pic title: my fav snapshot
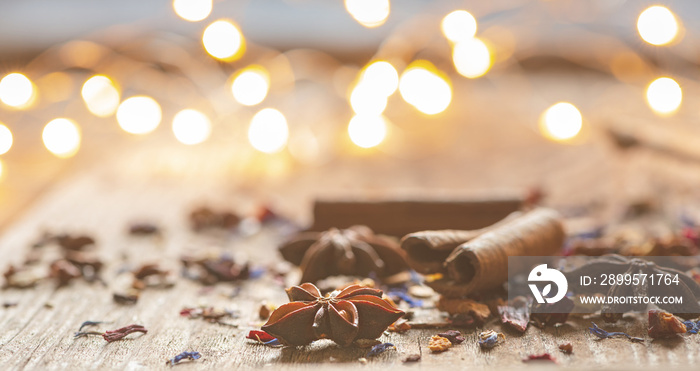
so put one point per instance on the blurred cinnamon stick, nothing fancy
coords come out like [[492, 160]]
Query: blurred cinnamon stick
[[401, 217], [482, 263], [426, 251]]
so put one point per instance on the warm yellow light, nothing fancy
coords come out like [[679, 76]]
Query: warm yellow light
[[1, 170], [664, 95], [16, 90], [5, 139], [459, 25], [268, 131], [192, 10], [381, 76], [369, 13], [100, 95], [472, 58], [366, 100], [251, 85], [223, 40], [367, 131], [191, 127], [139, 115], [424, 89], [657, 25], [562, 121], [61, 137]]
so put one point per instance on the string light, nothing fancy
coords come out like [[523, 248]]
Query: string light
[[5, 139], [381, 76], [369, 13], [223, 40], [191, 127], [664, 95], [192, 10], [268, 131], [16, 90], [472, 58], [100, 95], [459, 25], [62, 137], [251, 85], [561, 122], [139, 115], [367, 131], [657, 25], [424, 89]]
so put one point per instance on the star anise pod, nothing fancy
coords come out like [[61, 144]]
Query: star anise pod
[[356, 312], [355, 251]]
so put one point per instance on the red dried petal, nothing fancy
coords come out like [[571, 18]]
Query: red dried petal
[[260, 336]]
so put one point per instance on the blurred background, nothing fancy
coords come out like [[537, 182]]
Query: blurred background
[[286, 101]]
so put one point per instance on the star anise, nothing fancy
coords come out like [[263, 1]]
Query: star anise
[[355, 251], [354, 313], [685, 286]]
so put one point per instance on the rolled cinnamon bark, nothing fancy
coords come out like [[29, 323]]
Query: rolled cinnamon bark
[[401, 217], [482, 263], [427, 250]]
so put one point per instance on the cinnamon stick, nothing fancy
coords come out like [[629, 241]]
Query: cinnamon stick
[[427, 250], [482, 263], [401, 217]]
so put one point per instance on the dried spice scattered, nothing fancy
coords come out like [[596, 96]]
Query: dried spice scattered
[[90, 323], [566, 348], [399, 295], [114, 335], [692, 326], [344, 316], [77, 242], [264, 311], [203, 218], [63, 271], [602, 334], [664, 325], [411, 358], [516, 314], [489, 339], [400, 326], [355, 251], [478, 311], [143, 229], [183, 356], [546, 357], [125, 299], [20, 278], [549, 314], [439, 344], [209, 314], [214, 269], [379, 349], [454, 336], [687, 287]]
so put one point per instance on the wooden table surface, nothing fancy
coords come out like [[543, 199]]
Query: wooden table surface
[[489, 143]]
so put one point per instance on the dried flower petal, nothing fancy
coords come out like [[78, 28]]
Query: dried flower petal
[[540, 357], [663, 325], [515, 315], [260, 336], [412, 358], [454, 336], [478, 311], [379, 349], [439, 344], [489, 339], [182, 356], [602, 334], [566, 348]]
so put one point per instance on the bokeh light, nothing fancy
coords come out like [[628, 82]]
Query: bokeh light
[[459, 25], [268, 131], [2, 170], [366, 100], [16, 90], [223, 40], [369, 13], [62, 137], [192, 10], [5, 139], [191, 127], [100, 95], [251, 85], [381, 76], [424, 89], [139, 115], [367, 131], [664, 95], [472, 58], [657, 25], [561, 122]]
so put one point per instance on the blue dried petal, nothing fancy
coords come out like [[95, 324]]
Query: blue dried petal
[[692, 326], [257, 272], [602, 334], [379, 349], [184, 355], [273, 343], [489, 341], [402, 295]]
